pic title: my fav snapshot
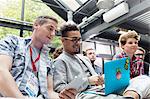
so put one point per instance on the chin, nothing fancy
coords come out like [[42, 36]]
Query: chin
[[47, 41], [76, 52]]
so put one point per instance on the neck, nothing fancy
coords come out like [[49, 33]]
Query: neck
[[129, 54], [35, 43]]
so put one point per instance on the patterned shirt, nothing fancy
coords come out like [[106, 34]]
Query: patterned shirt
[[18, 49], [136, 65]]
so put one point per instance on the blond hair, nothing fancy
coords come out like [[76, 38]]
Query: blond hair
[[43, 19], [130, 34]]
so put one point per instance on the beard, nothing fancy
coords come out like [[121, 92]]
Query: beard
[[92, 61], [77, 52], [76, 49]]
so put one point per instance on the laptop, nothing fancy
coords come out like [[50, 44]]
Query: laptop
[[117, 76]]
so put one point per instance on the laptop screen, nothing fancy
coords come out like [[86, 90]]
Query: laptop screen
[[117, 75]]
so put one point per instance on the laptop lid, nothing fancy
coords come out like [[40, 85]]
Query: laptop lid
[[117, 75]]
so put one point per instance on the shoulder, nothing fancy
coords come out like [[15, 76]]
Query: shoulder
[[59, 60], [9, 43], [118, 56], [63, 60], [81, 56], [12, 39], [84, 58], [64, 56]]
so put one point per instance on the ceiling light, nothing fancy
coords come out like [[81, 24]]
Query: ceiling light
[[105, 4], [116, 12]]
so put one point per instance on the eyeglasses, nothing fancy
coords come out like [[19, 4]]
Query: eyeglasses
[[139, 54], [73, 39]]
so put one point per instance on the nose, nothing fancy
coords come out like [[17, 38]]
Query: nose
[[135, 44], [79, 41], [52, 33]]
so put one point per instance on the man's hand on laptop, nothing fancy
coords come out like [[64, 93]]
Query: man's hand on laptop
[[96, 80], [68, 93], [101, 80]]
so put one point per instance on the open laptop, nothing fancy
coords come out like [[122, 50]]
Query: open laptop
[[117, 76]]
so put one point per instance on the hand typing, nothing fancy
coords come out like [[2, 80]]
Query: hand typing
[[96, 80], [69, 93]]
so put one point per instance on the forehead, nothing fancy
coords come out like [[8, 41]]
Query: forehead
[[51, 23], [131, 40], [90, 51], [73, 34]]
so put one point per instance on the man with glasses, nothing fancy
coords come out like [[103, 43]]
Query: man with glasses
[[73, 70], [140, 55]]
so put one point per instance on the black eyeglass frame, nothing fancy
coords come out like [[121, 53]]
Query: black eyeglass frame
[[73, 39], [139, 54]]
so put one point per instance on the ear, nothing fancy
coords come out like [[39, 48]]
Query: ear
[[35, 26], [122, 46], [62, 39]]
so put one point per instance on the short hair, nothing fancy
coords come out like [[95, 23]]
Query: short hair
[[88, 50], [67, 27], [130, 34], [43, 19]]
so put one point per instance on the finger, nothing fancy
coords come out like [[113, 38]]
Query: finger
[[69, 93], [64, 96], [100, 82], [60, 96], [72, 91]]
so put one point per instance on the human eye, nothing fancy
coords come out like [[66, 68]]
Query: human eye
[[50, 28], [74, 39], [90, 53], [136, 42], [129, 42], [79, 39]]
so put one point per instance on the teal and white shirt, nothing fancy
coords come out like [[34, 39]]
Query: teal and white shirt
[[18, 49]]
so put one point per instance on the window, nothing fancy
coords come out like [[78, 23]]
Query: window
[[73, 4], [103, 49]]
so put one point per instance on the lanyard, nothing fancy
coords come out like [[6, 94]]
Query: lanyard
[[34, 61]]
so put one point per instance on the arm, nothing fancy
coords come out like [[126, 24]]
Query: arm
[[65, 77], [96, 80], [60, 77], [8, 87], [51, 92], [64, 94]]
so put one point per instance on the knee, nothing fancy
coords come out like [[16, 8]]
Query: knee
[[132, 94]]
